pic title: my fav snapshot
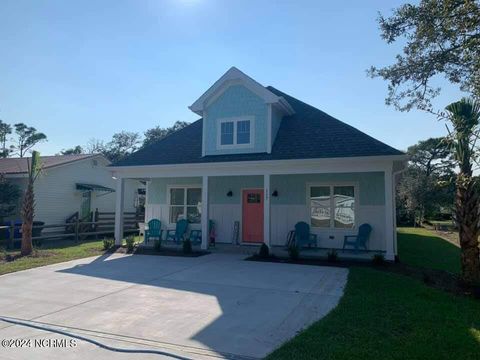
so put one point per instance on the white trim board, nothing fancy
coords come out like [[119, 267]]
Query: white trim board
[[273, 167]]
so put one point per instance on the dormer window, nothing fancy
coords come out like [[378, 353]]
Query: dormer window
[[235, 132]]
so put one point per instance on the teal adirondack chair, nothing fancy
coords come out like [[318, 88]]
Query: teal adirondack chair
[[154, 230], [359, 240], [196, 236], [178, 234], [303, 237]]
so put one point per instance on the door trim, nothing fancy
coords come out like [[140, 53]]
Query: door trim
[[241, 214]]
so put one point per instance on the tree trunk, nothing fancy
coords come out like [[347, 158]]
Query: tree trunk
[[467, 219], [27, 220]]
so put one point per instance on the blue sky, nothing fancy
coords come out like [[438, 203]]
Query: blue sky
[[78, 70]]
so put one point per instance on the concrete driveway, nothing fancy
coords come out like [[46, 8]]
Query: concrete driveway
[[212, 306]]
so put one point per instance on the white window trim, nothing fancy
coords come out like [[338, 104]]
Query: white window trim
[[235, 120], [169, 205], [332, 204]]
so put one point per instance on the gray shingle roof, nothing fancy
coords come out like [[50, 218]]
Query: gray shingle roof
[[309, 133], [20, 165]]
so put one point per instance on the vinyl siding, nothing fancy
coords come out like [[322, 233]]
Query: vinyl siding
[[56, 197]]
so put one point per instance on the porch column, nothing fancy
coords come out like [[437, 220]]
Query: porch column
[[266, 209], [119, 200], [205, 233], [389, 213]]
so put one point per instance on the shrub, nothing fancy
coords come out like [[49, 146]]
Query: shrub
[[293, 252], [332, 256], [187, 246], [264, 252], [130, 243], [107, 243], [157, 245], [378, 259]]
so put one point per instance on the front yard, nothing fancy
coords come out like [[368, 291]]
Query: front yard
[[49, 253], [389, 316], [382, 315]]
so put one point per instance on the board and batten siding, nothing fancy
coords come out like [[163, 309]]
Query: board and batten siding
[[288, 208], [156, 203], [56, 196]]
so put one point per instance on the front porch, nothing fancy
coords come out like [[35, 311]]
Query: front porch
[[276, 250], [334, 199]]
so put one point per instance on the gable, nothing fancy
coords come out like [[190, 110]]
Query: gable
[[236, 103]]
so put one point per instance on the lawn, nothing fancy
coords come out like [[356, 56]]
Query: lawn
[[422, 248], [51, 253], [388, 316]]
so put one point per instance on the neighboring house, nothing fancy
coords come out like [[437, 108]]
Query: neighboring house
[[266, 160], [67, 184]]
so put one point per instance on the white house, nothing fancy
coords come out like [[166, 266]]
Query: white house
[[70, 184]]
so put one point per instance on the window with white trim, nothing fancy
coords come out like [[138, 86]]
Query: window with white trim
[[243, 132], [185, 203], [235, 132], [226, 133], [332, 206]]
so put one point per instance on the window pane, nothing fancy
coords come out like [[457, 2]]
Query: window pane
[[226, 133], [243, 132], [344, 201], [177, 196], [320, 206], [194, 196], [194, 214], [176, 213]]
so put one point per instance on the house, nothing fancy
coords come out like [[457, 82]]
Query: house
[[69, 184], [266, 160]]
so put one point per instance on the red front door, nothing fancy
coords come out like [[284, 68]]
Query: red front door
[[252, 224]]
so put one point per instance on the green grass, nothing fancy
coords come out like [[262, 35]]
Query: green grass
[[388, 316], [420, 247], [52, 253]]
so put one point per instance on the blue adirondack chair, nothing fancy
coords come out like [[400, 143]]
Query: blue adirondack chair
[[303, 237], [359, 240], [178, 234], [196, 236], [154, 230]]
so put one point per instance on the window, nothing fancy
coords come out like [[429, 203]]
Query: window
[[332, 206], [226, 133], [185, 203], [235, 132], [243, 132]]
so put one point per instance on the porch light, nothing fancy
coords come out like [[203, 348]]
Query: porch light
[[230, 193], [275, 193]]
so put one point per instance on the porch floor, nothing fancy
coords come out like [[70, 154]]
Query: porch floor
[[277, 250]]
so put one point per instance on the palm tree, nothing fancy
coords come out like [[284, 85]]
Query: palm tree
[[28, 207], [465, 116]]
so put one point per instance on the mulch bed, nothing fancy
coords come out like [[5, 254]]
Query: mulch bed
[[162, 252], [438, 279]]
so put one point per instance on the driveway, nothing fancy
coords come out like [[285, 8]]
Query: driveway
[[207, 307]]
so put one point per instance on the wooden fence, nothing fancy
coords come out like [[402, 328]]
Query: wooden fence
[[76, 229]]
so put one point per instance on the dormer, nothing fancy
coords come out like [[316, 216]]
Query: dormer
[[239, 115]]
